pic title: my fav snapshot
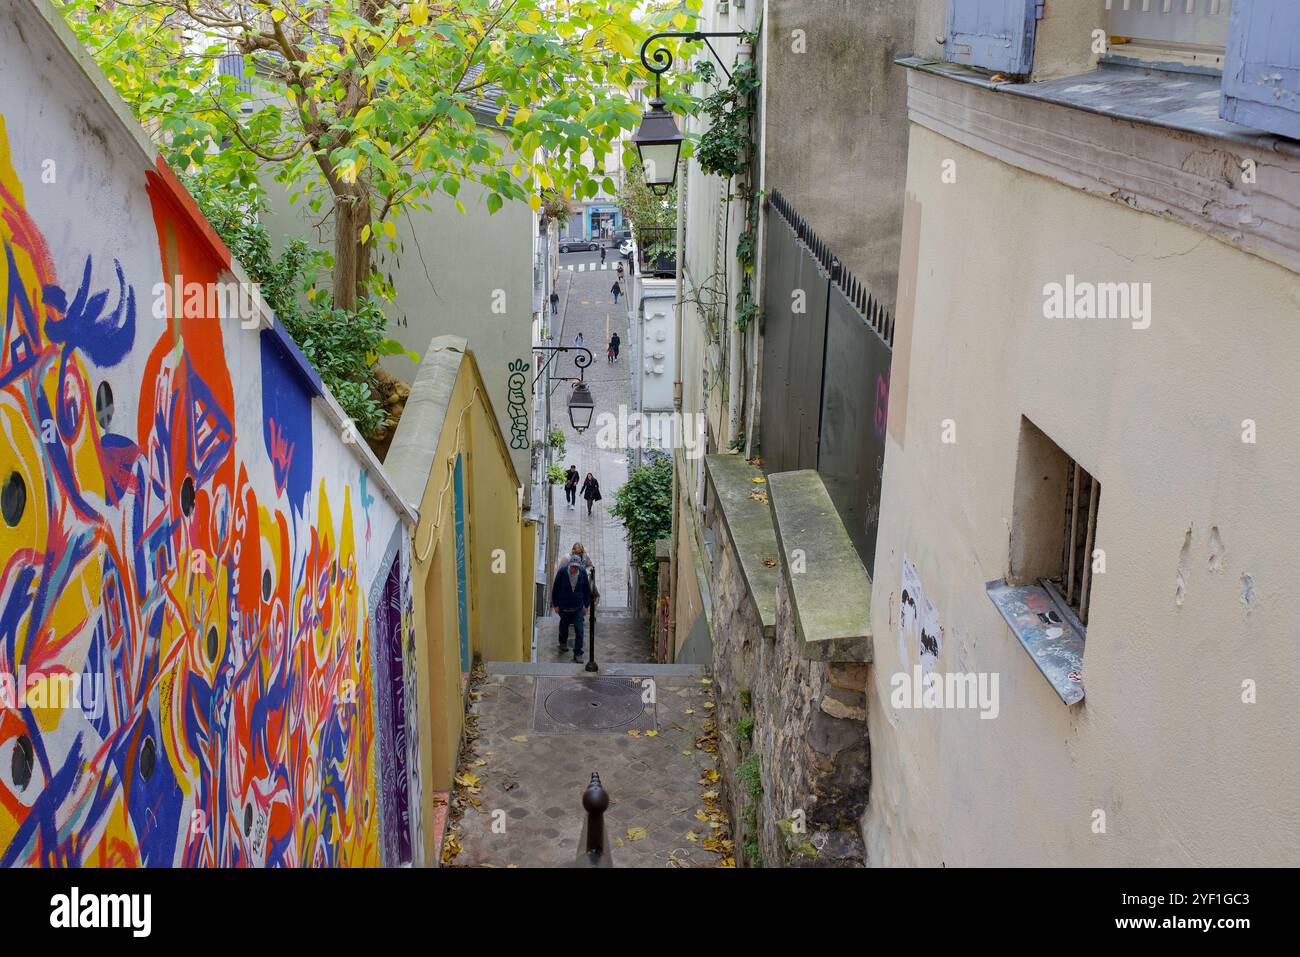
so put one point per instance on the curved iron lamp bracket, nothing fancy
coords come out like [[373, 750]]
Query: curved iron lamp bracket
[[581, 360], [663, 57]]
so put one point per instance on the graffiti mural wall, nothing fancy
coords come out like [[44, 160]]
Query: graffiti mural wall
[[187, 547]]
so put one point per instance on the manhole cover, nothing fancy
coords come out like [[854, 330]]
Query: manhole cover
[[575, 705]]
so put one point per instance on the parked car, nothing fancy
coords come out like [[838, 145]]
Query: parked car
[[578, 246], [625, 248]]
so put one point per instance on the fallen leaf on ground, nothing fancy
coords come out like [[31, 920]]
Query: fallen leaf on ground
[[692, 836], [635, 833], [520, 737], [652, 734], [634, 733]]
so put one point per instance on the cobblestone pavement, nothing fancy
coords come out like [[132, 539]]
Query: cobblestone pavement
[[588, 308], [519, 790]]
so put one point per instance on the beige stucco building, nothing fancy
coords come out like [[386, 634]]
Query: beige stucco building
[[1021, 197]]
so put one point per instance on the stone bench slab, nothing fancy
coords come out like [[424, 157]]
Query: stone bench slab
[[829, 588]]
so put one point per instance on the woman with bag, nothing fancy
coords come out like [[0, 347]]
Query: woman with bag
[[591, 491]]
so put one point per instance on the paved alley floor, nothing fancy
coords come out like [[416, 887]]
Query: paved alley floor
[[535, 731], [619, 638], [519, 789], [587, 307]]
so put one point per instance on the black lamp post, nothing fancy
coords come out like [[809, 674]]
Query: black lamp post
[[659, 141], [581, 407], [581, 403]]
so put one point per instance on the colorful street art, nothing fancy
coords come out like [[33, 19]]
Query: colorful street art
[[166, 538]]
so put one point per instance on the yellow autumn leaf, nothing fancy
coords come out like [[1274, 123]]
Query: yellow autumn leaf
[[635, 833], [652, 734], [277, 15], [420, 13], [758, 481], [535, 202], [634, 734], [390, 230]]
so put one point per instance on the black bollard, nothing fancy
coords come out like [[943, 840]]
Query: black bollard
[[591, 850], [591, 631]]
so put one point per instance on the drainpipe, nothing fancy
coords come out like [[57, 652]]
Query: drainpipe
[[678, 308]]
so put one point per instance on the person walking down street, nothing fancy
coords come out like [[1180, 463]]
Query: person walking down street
[[614, 343], [591, 491], [555, 303], [616, 289], [609, 353], [620, 271], [580, 553], [571, 479], [602, 255], [570, 597], [577, 340]]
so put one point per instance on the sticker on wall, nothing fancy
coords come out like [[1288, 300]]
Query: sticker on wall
[[918, 622], [517, 402]]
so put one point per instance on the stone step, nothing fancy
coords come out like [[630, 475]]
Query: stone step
[[612, 669]]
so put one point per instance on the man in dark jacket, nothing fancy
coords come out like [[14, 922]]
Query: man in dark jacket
[[570, 597]]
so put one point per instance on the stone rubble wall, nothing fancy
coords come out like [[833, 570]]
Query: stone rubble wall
[[810, 726]]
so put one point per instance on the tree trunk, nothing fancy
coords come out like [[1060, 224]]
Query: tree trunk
[[351, 256]]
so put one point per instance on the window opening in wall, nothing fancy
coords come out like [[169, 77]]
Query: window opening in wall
[[1082, 495], [1188, 32]]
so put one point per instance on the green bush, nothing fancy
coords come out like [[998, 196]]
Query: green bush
[[555, 474], [645, 504], [340, 344]]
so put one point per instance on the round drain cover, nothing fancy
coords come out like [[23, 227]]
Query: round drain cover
[[596, 704]]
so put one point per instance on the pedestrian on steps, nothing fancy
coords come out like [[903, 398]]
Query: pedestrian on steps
[[577, 551], [591, 491], [571, 479], [570, 597]]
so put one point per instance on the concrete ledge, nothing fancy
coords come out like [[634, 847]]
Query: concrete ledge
[[415, 443], [749, 523], [829, 588]]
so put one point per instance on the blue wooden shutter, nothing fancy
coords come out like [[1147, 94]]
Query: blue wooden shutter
[[993, 34], [1261, 73]]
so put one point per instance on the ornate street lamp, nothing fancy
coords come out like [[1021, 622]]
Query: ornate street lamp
[[581, 407], [658, 140], [658, 143]]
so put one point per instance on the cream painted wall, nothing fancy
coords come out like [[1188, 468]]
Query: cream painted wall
[[1186, 773], [467, 274]]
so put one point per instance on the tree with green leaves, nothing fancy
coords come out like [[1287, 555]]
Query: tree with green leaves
[[367, 109]]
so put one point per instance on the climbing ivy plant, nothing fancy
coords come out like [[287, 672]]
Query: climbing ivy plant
[[726, 149]]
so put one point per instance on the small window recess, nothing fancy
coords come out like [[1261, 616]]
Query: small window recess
[[1177, 35], [1046, 595]]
